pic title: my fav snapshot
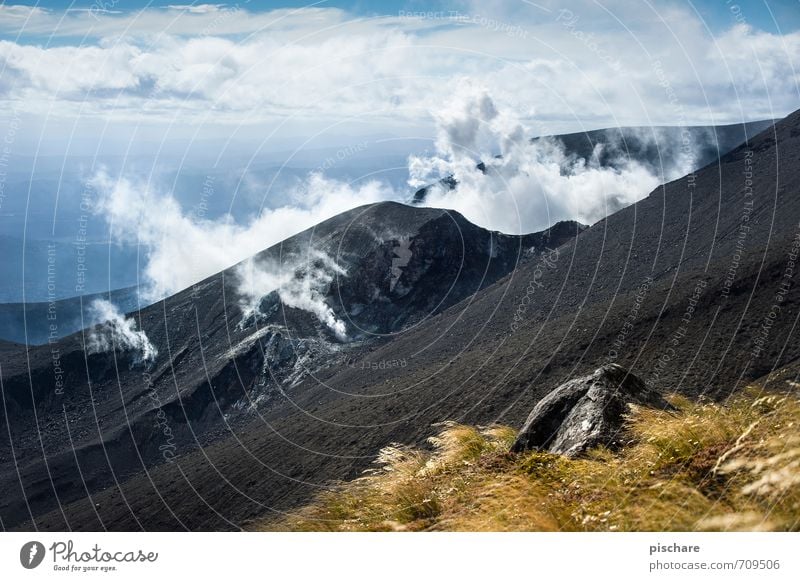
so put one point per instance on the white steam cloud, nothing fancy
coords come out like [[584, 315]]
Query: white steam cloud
[[114, 331], [521, 187], [299, 284], [182, 249], [529, 185]]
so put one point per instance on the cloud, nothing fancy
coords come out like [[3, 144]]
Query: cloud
[[227, 64], [11, 14], [183, 249], [526, 188], [529, 186], [197, 8], [114, 331], [300, 283], [112, 18], [70, 72]]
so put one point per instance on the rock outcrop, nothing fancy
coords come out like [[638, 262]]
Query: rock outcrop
[[585, 412]]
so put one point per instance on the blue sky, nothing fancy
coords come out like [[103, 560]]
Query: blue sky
[[781, 15], [768, 15]]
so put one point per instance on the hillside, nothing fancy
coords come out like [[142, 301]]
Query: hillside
[[223, 358], [677, 288], [661, 150], [704, 467]]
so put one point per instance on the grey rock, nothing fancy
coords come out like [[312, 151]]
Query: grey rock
[[585, 412]]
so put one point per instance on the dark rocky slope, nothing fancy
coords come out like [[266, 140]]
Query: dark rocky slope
[[660, 148], [681, 288], [217, 367]]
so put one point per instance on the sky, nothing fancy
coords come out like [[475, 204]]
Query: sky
[[294, 111], [775, 16], [292, 69]]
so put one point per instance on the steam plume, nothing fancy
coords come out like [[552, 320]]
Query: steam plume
[[523, 186], [117, 332], [299, 284]]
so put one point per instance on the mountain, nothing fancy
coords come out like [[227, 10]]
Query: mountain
[[692, 289], [662, 150], [345, 286], [391, 265]]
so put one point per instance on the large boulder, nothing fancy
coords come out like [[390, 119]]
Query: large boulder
[[585, 412]]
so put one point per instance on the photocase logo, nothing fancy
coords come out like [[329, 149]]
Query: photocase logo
[[31, 554]]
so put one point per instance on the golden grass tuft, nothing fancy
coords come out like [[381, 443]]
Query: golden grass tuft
[[704, 467]]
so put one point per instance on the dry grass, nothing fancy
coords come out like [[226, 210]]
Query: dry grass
[[706, 467]]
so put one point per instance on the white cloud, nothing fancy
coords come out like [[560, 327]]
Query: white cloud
[[527, 189], [182, 250], [114, 331], [18, 14], [301, 283], [197, 8], [532, 185], [226, 64], [107, 19]]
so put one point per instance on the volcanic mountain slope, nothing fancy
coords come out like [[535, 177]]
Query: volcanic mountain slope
[[225, 350], [391, 266], [661, 150], [692, 289]]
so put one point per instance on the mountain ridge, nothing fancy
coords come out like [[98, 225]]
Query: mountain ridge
[[660, 149], [217, 366]]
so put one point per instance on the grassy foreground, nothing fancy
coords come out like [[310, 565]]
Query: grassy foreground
[[706, 467]]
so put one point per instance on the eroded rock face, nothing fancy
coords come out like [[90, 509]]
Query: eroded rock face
[[585, 412]]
